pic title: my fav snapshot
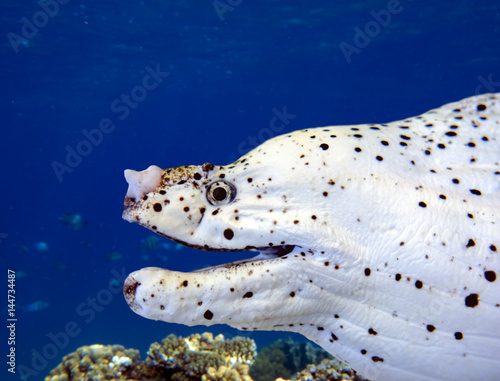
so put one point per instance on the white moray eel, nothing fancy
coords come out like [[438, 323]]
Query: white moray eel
[[379, 242]]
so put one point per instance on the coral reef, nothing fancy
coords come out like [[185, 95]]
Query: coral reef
[[196, 358], [203, 357], [284, 358], [98, 362], [327, 370]]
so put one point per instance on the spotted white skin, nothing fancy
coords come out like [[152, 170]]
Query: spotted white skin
[[395, 231]]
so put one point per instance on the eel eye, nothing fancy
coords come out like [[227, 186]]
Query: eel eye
[[221, 192]]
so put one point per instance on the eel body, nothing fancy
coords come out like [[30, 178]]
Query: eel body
[[379, 242]]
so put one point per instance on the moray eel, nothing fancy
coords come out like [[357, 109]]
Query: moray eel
[[379, 242]]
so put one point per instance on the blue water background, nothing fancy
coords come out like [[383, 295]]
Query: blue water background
[[227, 73]]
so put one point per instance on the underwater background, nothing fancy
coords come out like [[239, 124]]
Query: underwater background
[[77, 110]]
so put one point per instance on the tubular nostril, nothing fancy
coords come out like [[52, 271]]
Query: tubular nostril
[[129, 287], [142, 182]]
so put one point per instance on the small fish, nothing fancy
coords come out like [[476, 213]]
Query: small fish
[[112, 256], [74, 221], [41, 246], [154, 243], [85, 244], [115, 283], [58, 266], [21, 274], [35, 306], [20, 248]]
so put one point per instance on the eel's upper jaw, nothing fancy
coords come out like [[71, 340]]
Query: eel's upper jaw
[[141, 183]]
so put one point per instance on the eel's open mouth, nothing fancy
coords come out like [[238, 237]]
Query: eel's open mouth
[[276, 251], [265, 253]]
